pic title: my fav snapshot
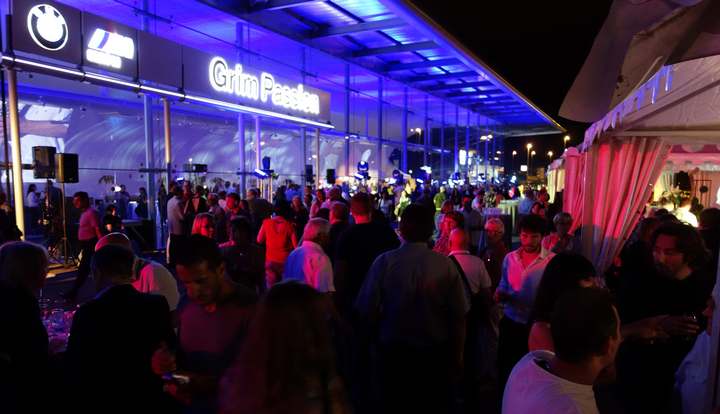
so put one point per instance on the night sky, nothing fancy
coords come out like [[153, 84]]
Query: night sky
[[538, 46]]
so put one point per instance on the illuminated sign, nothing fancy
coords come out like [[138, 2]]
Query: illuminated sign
[[234, 80], [109, 49], [47, 27]]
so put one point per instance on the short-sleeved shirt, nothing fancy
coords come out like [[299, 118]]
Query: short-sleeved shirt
[[532, 388], [415, 294], [310, 265], [521, 283], [474, 269], [152, 277], [89, 221], [277, 234]]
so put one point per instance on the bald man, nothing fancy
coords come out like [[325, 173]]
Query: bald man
[[472, 266], [148, 276], [480, 357]]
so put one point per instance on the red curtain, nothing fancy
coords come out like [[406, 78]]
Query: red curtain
[[620, 175], [574, 185]]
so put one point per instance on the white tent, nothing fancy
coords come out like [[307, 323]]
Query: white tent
[[665, 117]]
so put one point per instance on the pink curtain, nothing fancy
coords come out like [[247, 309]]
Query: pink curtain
[[619, 176], [574, 185]]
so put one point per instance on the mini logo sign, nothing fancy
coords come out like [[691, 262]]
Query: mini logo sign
[[47, 27], [109, 49]]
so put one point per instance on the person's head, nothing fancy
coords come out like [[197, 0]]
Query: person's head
[[317, 230], [112, 265], [176, 189], [212, 199], [678, 249], [187, 188], [241, 232], [544, 197], [142, 191], [585, 328], [416, 224], [23, 264], [529, 193], [563, 273], [111, 210], [685, 202], [204, 225], [338, 213], [297, 203], [288, 345], [538, 209], [459, 240], [320, 194], [447, 207], [646, 228], [323, 213], [114, 239], [467, 203], [452, 221], [199, 190], [494, 230], [32, 188], [335, 193], [563, 222], [253, 193], [81, 200], [710, 219], [307, 190], [361, 207], [232, 201], [283, 210], [200, 268], [531, 232]]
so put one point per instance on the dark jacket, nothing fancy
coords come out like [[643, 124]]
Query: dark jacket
[[109, 355]]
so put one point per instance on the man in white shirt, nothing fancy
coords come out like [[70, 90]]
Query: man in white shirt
[[472, 266], [148, 276], [309, 263], [522, 271], [586, 331]]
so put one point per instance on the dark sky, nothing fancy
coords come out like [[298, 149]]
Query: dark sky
[[538, 46]]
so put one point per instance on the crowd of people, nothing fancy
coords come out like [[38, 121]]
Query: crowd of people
[[321, 302]]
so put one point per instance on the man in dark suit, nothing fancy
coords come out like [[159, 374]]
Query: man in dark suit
[[113, 338]]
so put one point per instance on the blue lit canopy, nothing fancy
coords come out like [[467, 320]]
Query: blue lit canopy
[[391, 38]]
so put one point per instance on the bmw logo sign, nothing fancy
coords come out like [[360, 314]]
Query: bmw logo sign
[[47, 27]]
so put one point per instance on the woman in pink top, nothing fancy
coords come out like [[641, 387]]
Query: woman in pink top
[[278, 236]]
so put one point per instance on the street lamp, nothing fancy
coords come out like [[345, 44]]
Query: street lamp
[[549, 154], [512, 166], [566, 139], [529, 147], [532, 154]]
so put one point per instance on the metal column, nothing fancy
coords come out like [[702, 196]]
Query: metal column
[[149, 134], [456, 148], [487, 160], [242, 145], [168, 147], [467, 144], [317, 157], [379, 158], [404, 162], [16, 156], [426, 134], [443, 173], [347, 119], [258, 144], [303, 146]]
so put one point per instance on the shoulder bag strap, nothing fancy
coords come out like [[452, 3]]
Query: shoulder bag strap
[[463, 276]]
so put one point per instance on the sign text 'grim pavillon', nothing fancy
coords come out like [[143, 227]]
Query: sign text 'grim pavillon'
[[233, 80]]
